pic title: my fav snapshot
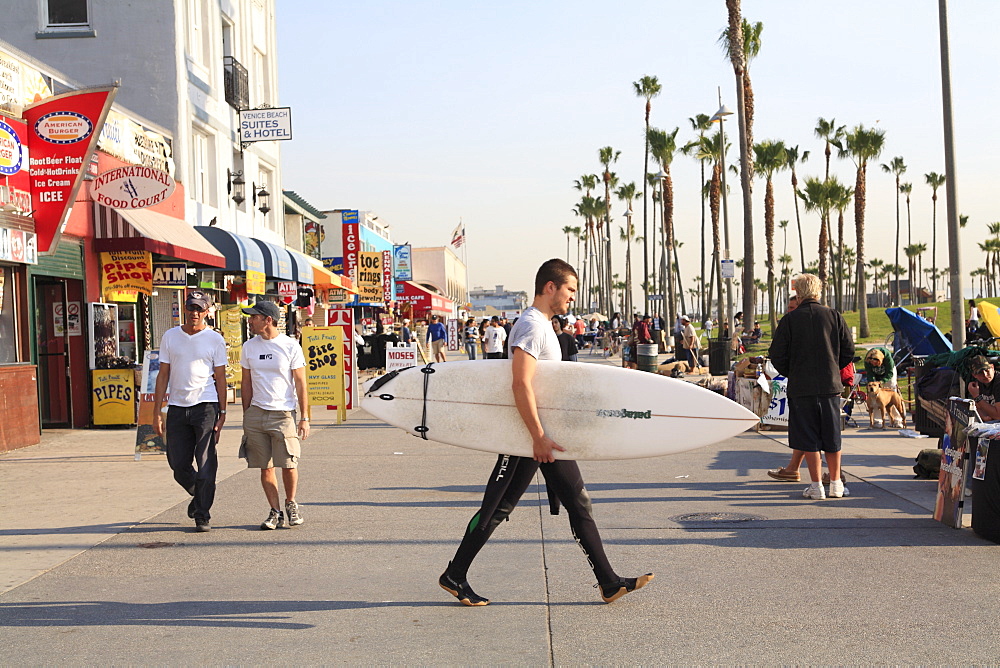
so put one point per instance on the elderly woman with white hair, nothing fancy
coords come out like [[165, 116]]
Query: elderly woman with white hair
[[811, 345]]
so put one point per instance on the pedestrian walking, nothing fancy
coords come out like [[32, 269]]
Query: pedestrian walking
[[193, 372], [494, 337], [437, 336], [274, 383], [532, 339], [811, 345], [691, 342], [471, 338]]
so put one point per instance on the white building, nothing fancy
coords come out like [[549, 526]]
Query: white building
[[187, 66], [441, 269]]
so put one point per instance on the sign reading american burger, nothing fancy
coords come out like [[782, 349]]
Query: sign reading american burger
[[132, 187]]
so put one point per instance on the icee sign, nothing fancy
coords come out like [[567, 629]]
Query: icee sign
[[271, 124]]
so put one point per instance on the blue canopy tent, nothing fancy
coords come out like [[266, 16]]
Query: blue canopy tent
[[915, 335]]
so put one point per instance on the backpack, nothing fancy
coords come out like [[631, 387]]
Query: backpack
[[928, 466]]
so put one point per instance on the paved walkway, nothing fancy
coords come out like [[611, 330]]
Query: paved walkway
[[100, 563]]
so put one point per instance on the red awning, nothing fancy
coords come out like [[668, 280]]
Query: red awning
[[423, 301], [142, 229]]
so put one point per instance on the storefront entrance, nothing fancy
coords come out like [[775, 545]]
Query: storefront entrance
[[59, 344]]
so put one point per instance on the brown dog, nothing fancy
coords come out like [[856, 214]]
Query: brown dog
[[884, 401]]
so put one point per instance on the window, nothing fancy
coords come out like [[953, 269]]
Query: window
[[67, 13], [202, 162], [198, 44], [8, 323], [262, 89]]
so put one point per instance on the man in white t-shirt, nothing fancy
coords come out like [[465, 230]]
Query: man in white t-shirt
[[274, 383], [532, 339], [193, 370], [494, 337]]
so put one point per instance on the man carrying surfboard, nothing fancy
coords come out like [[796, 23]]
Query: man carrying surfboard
[[531, 339]]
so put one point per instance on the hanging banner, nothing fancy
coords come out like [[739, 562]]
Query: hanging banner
[[351, 243], [288, 291], [402, 262], [15, 193], [19, 83], [323, 350], [126, 274], [255, 282], [452, 334], [369, 269], [62, 134], [386, 277], [231, 323]]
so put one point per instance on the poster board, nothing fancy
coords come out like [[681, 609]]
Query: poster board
[[401, 356], [323, 351], [113, 396], [146, 439], [950, 502], [344, 318], [453, 329]]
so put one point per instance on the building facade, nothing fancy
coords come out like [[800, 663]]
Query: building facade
[[442, 270], [498, 298]]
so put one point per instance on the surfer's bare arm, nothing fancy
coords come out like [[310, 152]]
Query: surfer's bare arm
[[160, 391], [524, 366]]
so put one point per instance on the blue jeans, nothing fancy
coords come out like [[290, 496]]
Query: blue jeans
[[470, 348], [191, 441]]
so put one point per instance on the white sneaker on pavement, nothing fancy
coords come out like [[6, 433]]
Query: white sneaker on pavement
[[838, 490], [814, 491]]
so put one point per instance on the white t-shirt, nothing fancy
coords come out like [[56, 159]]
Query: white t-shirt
[[271, 362], [690, 337], [192, 359], [533, 333], [494, 337]]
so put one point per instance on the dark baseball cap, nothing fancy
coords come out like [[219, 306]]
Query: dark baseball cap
[[264, 308], [978, 363], [198, 298]]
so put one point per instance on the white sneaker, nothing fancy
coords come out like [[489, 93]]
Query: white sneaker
[[814, 491], [838, 490]]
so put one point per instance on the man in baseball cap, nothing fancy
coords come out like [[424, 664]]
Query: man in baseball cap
[[269, 309], [198, 301], [984, 388]]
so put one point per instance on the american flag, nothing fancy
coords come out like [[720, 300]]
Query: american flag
[[458, 236]]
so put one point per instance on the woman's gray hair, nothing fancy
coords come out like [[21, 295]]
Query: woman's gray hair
[[807, 286]]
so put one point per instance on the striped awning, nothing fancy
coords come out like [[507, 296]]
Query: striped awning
[[142, 229]]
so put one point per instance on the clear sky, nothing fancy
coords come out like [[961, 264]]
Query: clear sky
[[430, 112]]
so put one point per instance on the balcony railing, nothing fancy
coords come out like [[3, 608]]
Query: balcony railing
[[237, 83]]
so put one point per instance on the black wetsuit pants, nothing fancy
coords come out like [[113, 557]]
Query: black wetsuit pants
[[509, 480]]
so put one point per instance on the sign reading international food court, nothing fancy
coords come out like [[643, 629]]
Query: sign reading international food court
[[132, 187], [270, 124]]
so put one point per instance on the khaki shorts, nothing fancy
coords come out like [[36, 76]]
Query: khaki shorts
[[271, 439], [437, 346]]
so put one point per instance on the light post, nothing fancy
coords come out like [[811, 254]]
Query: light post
[[720, 116]]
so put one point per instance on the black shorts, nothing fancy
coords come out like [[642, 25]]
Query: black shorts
[[814, 423]]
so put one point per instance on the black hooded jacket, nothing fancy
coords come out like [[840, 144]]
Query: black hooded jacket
[[811, 345]]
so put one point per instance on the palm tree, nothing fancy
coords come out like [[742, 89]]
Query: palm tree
[[627, 193], [701, 124], [876, 264], [579, 234], [707, 149], [912, 251], [568, 231], [898, 168], [770, 157], [786, 272], [905, 189], [608, 156], [586, 184], [741, 49], [817, 197], [791, 159], [841, 196], [647, 87], [831, 134], [663, 146], [676, 271], [862, 145], [935, 181]]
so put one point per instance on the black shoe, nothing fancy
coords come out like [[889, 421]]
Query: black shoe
[[191, 509], [615, 590], [202, 525], [461, 590]]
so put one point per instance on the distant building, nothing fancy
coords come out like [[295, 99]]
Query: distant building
[[499, 299], [441, 270]]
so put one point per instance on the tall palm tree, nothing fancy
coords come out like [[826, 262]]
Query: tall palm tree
[[876, 264], [786, 273], [935, 181], [568, 231], [817, 197], [647, 87], [663, 146], [905, 189], [861, 145], [912, 251], [736, 45], [586, 184], [707, 149], [831, 134], [751, 49], [791, 159], [607, 156], [580, 234], [627, 193], [701, 124], [770, 157], [897, 167], [841, 196]]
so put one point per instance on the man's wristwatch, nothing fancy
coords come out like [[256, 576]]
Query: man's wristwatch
[[304, 419], [222, 412]]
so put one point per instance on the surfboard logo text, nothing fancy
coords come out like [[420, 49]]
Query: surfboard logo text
[[627, 414]]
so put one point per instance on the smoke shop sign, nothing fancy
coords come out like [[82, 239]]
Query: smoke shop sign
[[132, 187]]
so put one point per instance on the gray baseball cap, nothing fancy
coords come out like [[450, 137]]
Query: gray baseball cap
[[264, 308]]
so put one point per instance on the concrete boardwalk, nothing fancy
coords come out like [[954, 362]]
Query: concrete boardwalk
[[101, 565]]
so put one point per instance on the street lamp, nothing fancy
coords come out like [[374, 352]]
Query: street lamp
[[720, 116]]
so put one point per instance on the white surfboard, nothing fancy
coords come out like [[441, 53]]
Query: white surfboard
[[594, 411]]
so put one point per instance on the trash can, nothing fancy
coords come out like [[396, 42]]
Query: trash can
[[719, 356], [647, 357], [922, 421]]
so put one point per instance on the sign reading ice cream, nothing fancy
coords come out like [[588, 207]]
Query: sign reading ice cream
[[132, 187]]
